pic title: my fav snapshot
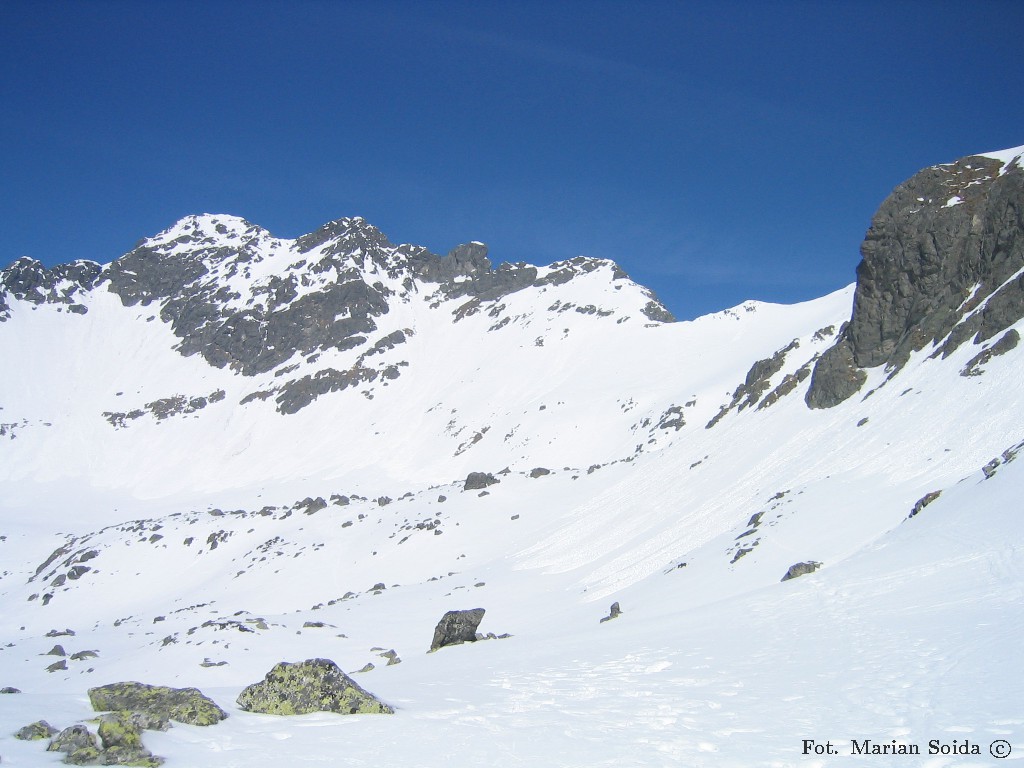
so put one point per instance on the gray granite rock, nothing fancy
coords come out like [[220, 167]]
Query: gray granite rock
[[457, 627], [944, 244]]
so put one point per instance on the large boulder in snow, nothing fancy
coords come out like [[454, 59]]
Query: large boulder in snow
[[457, 627], [78, 743], [36, 731], [186, 705], [121, 735], [801, 569], [314, 685], [475, 481]]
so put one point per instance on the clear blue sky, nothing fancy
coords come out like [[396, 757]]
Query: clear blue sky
[[718, 151]]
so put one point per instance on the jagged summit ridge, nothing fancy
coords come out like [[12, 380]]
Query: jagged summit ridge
[[243, 298]]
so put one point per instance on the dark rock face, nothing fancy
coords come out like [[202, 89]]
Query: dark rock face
[[1007, 342], [801, 569], [28, 280], [315, 685], [756, 383], [202, 278], [457, 627], [613, 613], [937, 261], [185, 705]]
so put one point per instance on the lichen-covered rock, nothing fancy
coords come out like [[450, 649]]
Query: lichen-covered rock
[[117, 730], [73, 739], [121, 736], [314, 685], [36, 731], [457, 627], [801, 569], [186, 705], [141, 757]]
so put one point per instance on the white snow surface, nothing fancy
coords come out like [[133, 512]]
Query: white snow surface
[[210, 546], [1007, 157]]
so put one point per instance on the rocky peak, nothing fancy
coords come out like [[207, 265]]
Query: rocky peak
[[28, 280], [940, 264], [348, 234]]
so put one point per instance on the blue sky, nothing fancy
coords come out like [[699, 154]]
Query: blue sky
[[718, 151]]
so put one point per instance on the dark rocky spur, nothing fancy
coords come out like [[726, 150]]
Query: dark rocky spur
[[939, 267]]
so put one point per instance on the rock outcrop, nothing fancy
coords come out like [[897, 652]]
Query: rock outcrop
[[314, 685], [457, 627], [476, 481], [185, 705], [939, 266], [801, 569], [36, 731]]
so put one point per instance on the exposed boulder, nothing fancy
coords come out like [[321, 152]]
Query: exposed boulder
[[613, 613], [539, 472], [9, 689], [36, 731], [478, 480], [185, 705], [1008, 341], [923, 502], [457, 627], [801, 569], [121, 736], [314, 685], [937, 262], [76, 738]]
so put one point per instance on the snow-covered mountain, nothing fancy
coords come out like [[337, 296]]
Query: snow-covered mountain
[[224, 450]]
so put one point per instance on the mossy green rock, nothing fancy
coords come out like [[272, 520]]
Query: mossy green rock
[[118, 730], [73, 739], [315, 685], [138, 756], [36, 731], [186, 705], [84, 756]]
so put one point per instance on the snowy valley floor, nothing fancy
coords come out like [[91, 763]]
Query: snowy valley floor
[[914, 638]]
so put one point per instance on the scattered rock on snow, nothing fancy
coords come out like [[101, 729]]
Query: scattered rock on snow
[[923, 502], [457, 627], [801, 569], [314, 685], [613, 613], [478, 480]]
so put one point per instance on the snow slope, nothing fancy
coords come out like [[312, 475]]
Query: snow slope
[[202, 548]]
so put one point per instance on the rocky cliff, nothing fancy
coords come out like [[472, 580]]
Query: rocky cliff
[[941, 264]]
